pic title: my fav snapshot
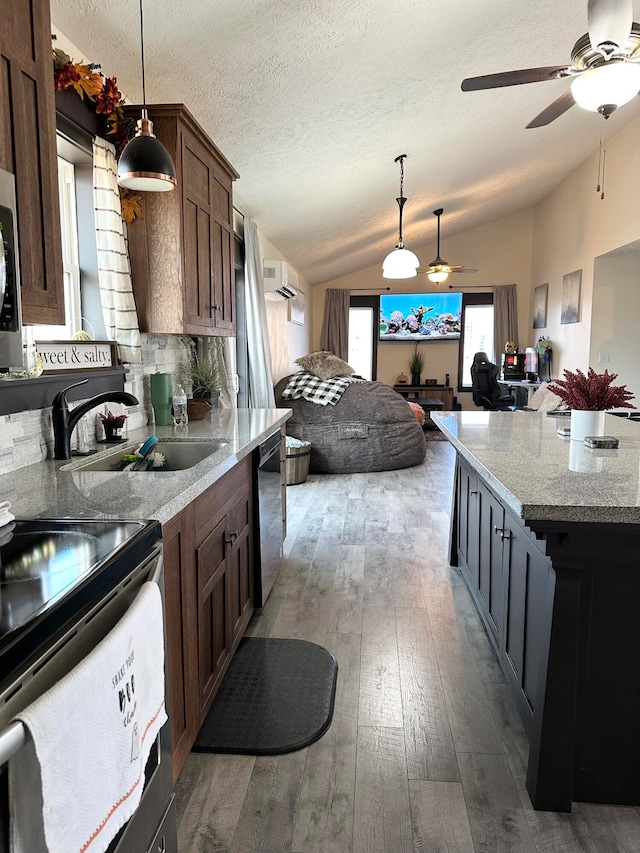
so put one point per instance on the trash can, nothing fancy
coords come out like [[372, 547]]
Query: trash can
[[298, 457]]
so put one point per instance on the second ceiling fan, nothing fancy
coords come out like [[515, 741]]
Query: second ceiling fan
[[438, 270]]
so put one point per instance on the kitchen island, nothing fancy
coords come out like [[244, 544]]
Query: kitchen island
[[546, 533]]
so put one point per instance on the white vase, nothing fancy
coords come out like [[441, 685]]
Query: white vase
[[585, 422]]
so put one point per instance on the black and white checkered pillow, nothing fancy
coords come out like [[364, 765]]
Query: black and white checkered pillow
[[324, 392]]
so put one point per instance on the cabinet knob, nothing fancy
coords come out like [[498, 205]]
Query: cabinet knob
[[504, 534], [475, 492], [232, 538], [217, 307]]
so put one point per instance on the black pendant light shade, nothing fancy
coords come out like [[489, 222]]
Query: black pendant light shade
[[145, 164]]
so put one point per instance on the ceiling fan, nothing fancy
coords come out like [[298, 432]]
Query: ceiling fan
[[603, 70], [438, 270]]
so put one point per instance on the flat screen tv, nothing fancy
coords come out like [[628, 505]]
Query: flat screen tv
[[420, 316]]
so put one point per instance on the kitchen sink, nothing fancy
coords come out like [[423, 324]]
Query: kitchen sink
[[180, 455]]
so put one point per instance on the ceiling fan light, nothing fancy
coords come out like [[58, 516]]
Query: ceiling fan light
[[608, 86], [401, 263], [145, 164], [437, 276]]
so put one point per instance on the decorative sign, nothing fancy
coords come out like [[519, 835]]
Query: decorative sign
[[79, 356]]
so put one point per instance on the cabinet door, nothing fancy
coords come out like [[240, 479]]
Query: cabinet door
[[214, 634], [239, 562], [527, 575], [222, 277], [490, 571], [467, 520], [28, 151], [198, 192], [180, 627]]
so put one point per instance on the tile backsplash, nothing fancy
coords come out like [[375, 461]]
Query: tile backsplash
[[27, 437]]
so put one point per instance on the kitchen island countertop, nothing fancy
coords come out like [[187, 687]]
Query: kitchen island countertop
[[543, 477], [47, 490]]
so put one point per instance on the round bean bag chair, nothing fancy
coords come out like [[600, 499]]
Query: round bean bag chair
[[371, 428]]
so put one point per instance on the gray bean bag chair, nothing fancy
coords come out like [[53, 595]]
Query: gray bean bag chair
[[371, 428]]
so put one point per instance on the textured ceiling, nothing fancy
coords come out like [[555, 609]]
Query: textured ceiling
[[311, 100]]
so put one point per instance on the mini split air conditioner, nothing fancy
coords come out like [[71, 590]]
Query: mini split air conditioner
[[279, 279]]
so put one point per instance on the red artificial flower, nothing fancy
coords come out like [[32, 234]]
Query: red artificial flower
[[108, 99], [592, 392], [66, 75]]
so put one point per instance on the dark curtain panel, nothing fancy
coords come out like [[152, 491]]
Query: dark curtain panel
[[335, 325], [505, 308]]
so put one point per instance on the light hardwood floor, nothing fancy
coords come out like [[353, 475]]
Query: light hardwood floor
[[426, 751]]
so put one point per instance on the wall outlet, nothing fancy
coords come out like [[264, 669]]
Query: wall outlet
[[604, 357]]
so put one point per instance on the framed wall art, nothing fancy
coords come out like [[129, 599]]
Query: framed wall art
[[540, 295], [571, 284], [296, 308]]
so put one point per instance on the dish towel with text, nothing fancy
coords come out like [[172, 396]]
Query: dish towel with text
[[92, 734]]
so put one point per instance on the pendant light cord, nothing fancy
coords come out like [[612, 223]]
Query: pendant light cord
[[144, 94], [402, 199]]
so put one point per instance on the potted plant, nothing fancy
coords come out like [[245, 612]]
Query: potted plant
[[589, 397], [416, 365], [204, 370]]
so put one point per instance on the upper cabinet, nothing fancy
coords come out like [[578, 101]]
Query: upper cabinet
[[181, 249], [28, 151]]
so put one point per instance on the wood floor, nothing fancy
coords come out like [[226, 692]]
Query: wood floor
[[426, 751]]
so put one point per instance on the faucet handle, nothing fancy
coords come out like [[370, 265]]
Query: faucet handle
[[60, 399]]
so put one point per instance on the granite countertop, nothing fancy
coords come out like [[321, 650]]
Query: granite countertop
[[543, 477], [47, 490]]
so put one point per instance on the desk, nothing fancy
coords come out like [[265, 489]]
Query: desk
[[518, 389], [439, 392]]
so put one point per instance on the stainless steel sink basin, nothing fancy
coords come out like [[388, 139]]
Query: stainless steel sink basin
[[180, 455]]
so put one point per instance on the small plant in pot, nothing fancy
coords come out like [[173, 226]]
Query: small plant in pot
[[205, 371], [416, 365]]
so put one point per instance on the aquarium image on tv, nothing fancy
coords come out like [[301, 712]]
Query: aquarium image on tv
[[420, 316]]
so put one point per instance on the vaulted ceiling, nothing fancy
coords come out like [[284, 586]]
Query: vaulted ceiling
[[312, 100]]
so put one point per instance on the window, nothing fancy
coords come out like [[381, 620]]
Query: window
[[70, 266], [364, 312], [477, 333]]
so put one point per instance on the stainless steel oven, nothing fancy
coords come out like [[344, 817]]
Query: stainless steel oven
[[11, 352], [63, 586]]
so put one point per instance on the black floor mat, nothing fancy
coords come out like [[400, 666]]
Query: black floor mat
[[276, 697]]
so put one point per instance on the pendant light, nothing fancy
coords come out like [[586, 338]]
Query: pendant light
[[401, 263], [145, 164]]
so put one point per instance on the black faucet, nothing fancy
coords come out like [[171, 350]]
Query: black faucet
[[64, 421]]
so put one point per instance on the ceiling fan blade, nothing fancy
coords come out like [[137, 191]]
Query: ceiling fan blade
[[514, 78], [461, 269], [609, 22], [548, 114]]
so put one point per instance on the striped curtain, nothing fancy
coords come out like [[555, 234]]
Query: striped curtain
[[114, 274]]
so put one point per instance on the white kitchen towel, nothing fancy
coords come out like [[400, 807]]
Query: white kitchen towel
[[92, 734]]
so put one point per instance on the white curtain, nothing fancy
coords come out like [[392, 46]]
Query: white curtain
[[260, 379], [114, 274]]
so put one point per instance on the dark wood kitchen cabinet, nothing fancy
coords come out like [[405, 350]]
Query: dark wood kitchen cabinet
[[208, 551], [508, 575], [181, 249], [28, 151]]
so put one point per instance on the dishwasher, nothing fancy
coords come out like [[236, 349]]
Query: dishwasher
[[270, 509]]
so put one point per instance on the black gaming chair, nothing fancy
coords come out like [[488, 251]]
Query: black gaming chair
[[487, 393]]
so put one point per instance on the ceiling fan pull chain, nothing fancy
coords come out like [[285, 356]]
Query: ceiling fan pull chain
[[604, 161], [598, 185]]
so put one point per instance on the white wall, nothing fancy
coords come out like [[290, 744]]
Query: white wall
[[614, 320], [572, 226], [287, 340]]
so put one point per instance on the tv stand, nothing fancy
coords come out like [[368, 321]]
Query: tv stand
[[439, 392]]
